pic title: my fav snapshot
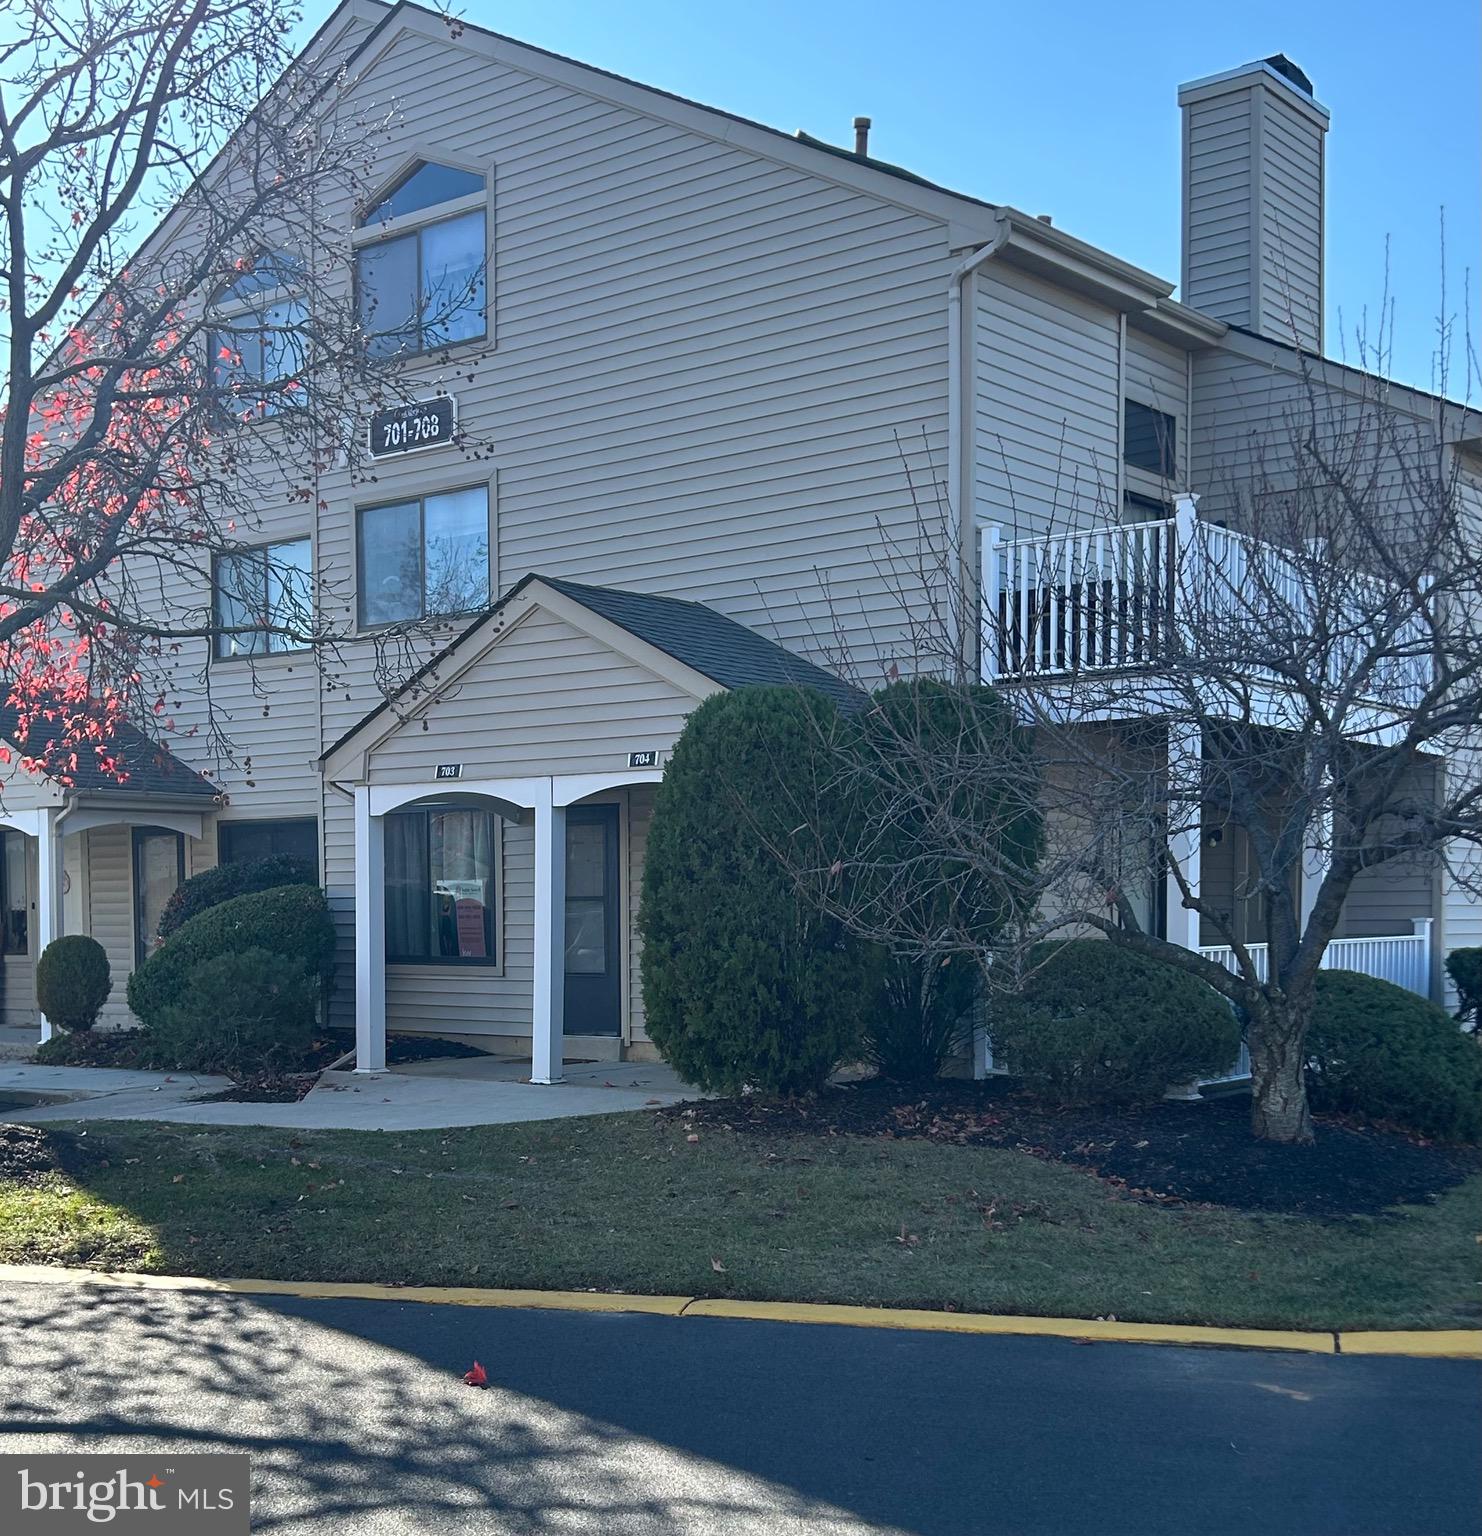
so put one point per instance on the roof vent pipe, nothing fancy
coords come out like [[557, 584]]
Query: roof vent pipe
[[861, 136]]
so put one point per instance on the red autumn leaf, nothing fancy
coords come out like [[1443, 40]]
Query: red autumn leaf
[[477, 1376]]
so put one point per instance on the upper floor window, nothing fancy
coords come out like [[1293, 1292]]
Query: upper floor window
[[259, 337], [424, 558], [264, 600], [424, 287], [1149, 439]]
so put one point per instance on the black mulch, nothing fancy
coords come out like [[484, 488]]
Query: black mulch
[[1168, 1153], [289, 1087], [29, 1152]]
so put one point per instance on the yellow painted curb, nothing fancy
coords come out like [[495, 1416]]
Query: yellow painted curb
[[1456, 1343], [1442, 1344], [989, 1322], [443, 1295]]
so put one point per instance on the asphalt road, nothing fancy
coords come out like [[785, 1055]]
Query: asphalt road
[[356, 1420]]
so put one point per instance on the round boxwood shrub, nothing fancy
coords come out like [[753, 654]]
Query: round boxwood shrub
[[1386, 1053], [245, 1012], [745, 983], [213, 886], [73, 981], [291, 921], [1097, 1024], [1464, 966]]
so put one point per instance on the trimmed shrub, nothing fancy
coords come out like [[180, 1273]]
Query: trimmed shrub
[[745, 983], [912, 734], [1464, 967], [923, 1015], [290, 921], [1383, 1052], [1097, 1024], [244, 1012], [73, 981], [213, 886]]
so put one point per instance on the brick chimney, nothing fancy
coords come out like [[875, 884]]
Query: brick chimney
[[1253, 158]]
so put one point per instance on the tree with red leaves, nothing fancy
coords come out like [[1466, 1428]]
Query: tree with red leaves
[[176, 194]]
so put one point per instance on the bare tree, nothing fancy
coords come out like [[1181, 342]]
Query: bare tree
[[1296, 664], [183, 345]]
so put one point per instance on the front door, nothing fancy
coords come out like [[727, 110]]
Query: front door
[[593, 971]]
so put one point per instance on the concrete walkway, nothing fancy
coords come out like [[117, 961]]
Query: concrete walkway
[[426, 1095]]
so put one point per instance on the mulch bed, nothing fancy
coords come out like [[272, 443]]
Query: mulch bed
[[29, 1152], [289, 1087], [1169, 1153]]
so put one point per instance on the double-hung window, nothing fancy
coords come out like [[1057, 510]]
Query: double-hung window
[[424, 558], [423, 285], [259, 340], [442, 876], [264, 600]]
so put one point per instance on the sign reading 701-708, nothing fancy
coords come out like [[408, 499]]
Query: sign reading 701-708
[[411, 428]]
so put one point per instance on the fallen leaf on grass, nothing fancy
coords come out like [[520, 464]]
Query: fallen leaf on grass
[[476, 1375], [717, 1266], [178, 1179]]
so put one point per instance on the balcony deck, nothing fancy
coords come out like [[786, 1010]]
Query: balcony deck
[[1152, 596]]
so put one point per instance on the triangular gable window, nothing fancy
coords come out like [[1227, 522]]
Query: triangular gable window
[[426, 185]]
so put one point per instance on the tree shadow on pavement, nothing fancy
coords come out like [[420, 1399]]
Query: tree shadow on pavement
[[356, 1418]]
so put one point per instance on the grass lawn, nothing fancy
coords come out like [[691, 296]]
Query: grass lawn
[[629, 1203]]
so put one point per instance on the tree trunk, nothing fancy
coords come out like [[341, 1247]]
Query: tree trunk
[[1278, 1100]]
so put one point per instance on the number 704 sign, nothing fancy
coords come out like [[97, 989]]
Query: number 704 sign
[[411, 428]]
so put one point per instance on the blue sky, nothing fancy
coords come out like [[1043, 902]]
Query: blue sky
[[1069, 109]]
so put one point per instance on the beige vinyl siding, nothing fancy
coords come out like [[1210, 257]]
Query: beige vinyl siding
[[640, 819], [546, 699], [111, 913], [1387, 900], [338, 833], [1291, 181], [1047, 424], [1218, 206], [703, 358]]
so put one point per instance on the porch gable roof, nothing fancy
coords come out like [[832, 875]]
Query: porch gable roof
[[685, 643]]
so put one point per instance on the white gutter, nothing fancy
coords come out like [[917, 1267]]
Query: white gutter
[[960, 496]]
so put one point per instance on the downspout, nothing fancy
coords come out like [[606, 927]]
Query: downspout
[[960, 498]]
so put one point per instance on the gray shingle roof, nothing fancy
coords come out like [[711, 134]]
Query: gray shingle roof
[[714, 646], [705, 640], [151, 769]]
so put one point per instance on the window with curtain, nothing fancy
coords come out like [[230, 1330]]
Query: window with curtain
[[424, 287], [260, 594], [442, 886], [424, 558]]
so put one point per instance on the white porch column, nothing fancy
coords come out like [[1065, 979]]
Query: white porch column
[[990, 585], [48, 892], [548, 1018], [370, 936], [1424, 929], [1185, 836]]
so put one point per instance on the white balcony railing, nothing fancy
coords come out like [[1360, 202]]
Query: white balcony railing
[[1108, 598]]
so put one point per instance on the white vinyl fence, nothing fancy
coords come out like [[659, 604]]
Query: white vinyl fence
[[1404, 959]]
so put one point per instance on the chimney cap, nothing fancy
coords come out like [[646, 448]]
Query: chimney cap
[[1279, 74], [1290, 71]]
